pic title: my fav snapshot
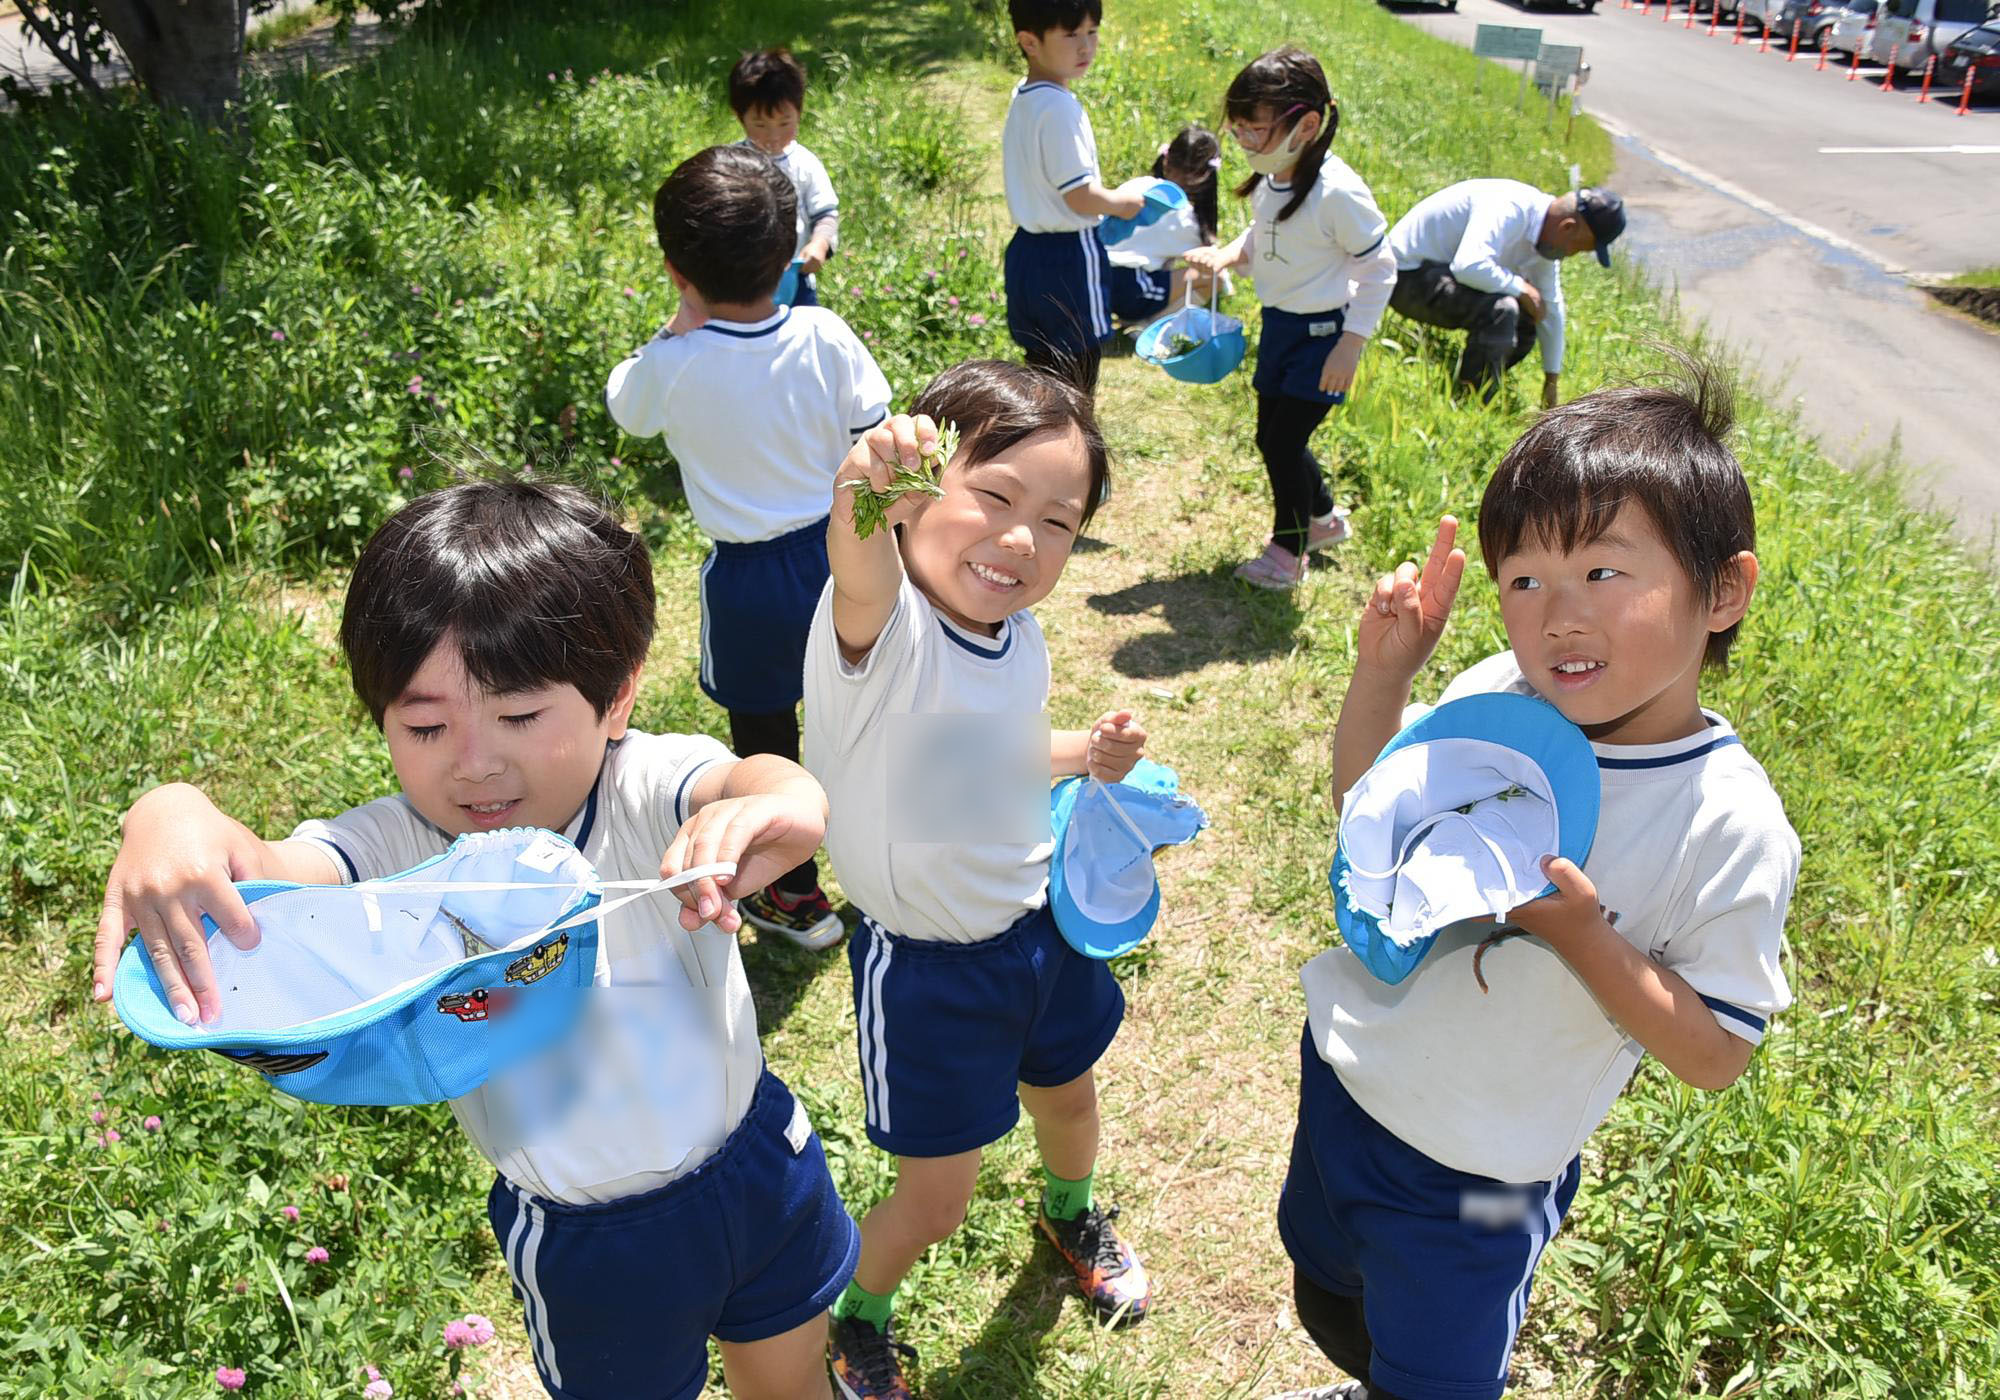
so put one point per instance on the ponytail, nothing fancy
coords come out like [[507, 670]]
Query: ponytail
[[1279, 81]]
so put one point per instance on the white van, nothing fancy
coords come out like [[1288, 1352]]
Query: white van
[[1913, 30]]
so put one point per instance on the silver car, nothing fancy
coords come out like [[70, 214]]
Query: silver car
[[1909, 32], [1853, 26]]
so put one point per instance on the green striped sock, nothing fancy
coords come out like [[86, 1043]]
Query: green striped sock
[[872, 1308], [1065, 1200]]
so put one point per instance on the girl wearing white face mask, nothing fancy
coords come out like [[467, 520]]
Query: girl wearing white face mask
[[1316, 247]]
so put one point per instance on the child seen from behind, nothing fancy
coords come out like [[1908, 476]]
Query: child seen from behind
[[1144, 279], [758, 404]]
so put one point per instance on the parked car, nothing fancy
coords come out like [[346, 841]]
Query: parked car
[[1907, 32], [1853, 26], [1977, 49], [1813, 17]]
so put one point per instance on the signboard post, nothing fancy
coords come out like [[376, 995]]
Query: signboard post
[[1556, 65], [1507, 43]]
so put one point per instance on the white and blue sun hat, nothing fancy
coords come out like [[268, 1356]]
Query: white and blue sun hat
[[1160, 197], [411, 989], [1102, 886], [1452, 821]]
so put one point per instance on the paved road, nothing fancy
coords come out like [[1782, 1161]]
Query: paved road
[[1800, 277]]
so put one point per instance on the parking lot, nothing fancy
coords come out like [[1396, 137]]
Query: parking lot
[[1788, 208]]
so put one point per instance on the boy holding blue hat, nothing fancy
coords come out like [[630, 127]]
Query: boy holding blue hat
[[1058, 274], [495, 632], [1441, 1117]]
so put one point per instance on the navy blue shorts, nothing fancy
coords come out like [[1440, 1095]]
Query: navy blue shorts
[[1441, 1259], [1058, 291], [757, 604], [1139, 295], [1292, 351], [621, 1298], [947, 1030], [808, 293]]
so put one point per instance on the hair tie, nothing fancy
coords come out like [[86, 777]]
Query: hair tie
[[1215, 162]]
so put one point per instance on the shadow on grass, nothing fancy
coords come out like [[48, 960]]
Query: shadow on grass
[[1007, 1355], [1209, 616], [780, 973]]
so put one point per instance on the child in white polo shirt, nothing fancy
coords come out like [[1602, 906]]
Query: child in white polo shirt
[[654, 1184], [758, 403], [1316, 247], [767, 91], [926, 688], [1440, 1119], [1058, 276]]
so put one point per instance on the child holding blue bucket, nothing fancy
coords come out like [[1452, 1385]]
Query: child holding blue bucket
[[926, 685], [1316, 246]]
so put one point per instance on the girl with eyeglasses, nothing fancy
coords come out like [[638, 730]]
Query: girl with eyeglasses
[[1316, 247]]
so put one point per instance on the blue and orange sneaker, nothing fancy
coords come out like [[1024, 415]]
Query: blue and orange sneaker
[[1108, 1273], [868, 1360]]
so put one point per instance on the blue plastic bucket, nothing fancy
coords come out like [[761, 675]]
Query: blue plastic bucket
[[1219, 352]]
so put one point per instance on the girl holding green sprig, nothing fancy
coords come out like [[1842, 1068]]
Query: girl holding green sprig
[[1317, 247], [926, 685]]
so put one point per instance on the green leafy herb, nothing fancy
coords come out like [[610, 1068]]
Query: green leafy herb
[[871, 507], [1179, 344]]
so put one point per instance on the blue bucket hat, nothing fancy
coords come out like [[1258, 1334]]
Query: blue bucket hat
[[1452, 820], [1102, 886], [1160, 196], [411, 989]]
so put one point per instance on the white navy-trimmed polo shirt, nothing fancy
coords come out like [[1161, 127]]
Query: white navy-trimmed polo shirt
[[1331, 253], [1046, 149], [1696, 860], [757, 414]]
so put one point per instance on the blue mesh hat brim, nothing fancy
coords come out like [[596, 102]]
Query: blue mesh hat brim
[[1102, 887]]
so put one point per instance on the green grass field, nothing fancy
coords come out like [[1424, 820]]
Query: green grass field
[[222, 363]]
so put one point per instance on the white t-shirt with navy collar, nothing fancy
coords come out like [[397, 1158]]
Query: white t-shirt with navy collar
[[1329, 254], [1046, 148], [1697, 861], [757, 414], [673, 1007], [1486, 231], [922, 664], [813, 186]]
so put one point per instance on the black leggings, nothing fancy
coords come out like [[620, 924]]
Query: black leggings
[[1079, 367], [1335, 1323], [1298, 491], [774, 733]]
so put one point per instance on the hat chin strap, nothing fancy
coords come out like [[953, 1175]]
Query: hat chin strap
[[719, 870]]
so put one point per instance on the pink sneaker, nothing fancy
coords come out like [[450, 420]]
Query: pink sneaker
[[1321, 536], [1276, 568]]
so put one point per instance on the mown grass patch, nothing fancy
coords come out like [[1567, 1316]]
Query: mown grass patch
[[462, 217]]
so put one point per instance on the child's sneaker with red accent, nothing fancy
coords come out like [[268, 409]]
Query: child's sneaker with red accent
[[807, 919], [1108, 1273], [868, 1360]]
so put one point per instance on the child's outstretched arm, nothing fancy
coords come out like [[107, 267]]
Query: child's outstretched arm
[[1213, 260], [177, 862], [1654, 1004], [763, 813], [867, 573], [1399, 629], [1107, 751], [1125, 202]]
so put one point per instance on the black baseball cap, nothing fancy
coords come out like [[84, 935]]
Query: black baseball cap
[[1604, 211]]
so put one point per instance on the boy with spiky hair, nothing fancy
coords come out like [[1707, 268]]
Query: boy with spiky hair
[[1440, 1123], [1058, 274], [767, 91]]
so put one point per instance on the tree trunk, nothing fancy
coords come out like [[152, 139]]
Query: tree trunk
[[187, 53]]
